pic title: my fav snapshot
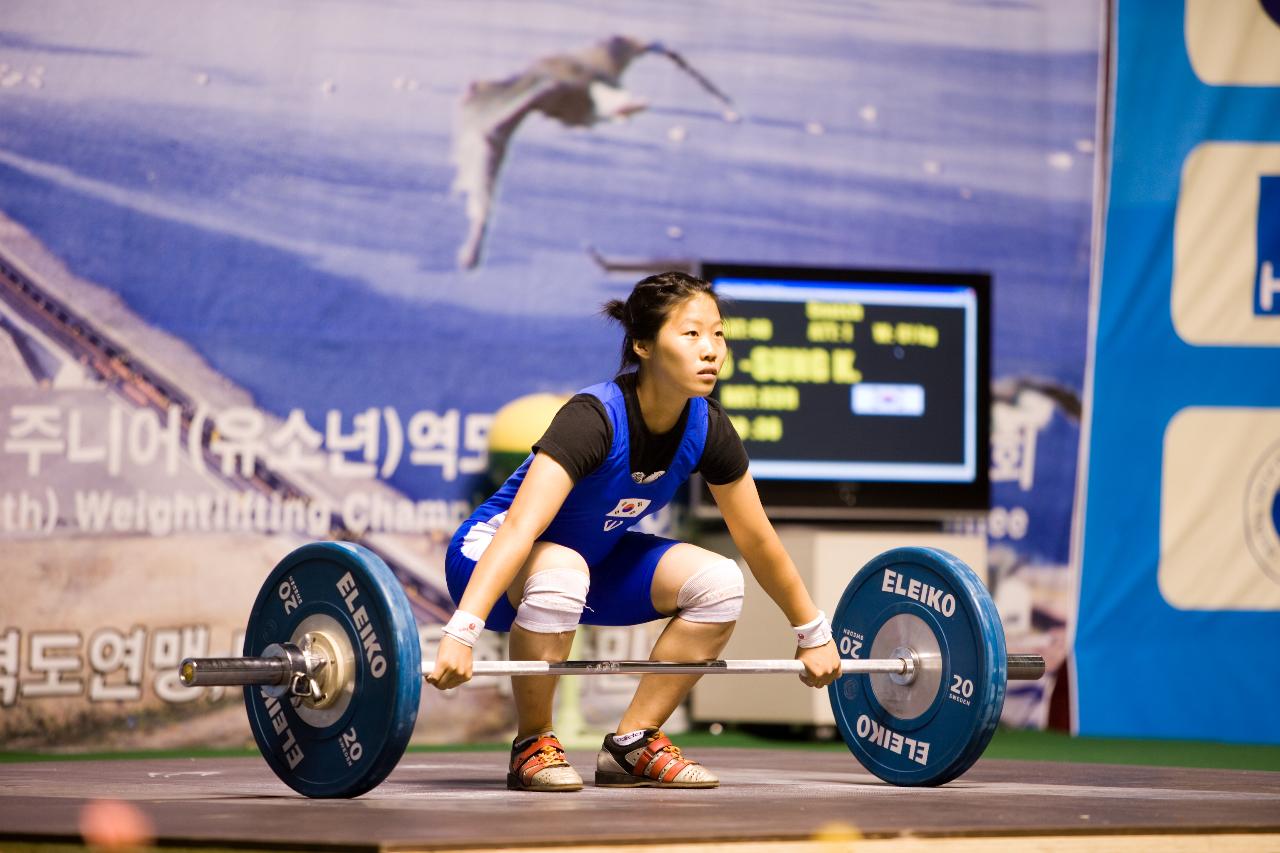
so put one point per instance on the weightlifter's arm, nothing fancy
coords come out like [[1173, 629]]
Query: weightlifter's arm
[[545, 487], [753, 534]]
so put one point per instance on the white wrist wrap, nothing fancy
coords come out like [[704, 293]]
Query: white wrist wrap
[[464, 627], [813, 634]]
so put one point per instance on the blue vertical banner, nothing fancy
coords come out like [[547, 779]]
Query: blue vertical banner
[[1179, 591]]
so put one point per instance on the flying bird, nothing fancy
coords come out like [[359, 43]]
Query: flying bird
[[576, 89]]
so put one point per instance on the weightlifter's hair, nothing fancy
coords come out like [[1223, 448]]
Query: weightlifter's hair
[[642, 313]]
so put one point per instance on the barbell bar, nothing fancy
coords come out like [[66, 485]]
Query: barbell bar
[[332, 668], [1020, 667], [242, 671]]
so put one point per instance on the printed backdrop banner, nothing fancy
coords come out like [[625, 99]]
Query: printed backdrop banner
[[267, 273], [1181, 559]]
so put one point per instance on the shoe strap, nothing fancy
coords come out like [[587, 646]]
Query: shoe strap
[[661, 760], [544, 752]]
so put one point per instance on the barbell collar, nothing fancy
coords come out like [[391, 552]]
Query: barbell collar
[[287, 667], [233, 672]]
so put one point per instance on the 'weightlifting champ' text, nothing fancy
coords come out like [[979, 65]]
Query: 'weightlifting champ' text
[[140, 512]]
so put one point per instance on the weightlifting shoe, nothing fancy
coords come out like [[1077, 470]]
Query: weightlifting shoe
[[653, 761], [538, 764]]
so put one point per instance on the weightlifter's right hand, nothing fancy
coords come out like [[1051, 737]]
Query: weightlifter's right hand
[[453, 664]]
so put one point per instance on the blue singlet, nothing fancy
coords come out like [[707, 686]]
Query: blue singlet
[[595, 520]]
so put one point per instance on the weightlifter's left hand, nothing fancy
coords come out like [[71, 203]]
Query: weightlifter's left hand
[[821, 664]]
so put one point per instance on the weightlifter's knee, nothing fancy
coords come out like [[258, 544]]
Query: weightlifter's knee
[[553, 600], [712, 594]]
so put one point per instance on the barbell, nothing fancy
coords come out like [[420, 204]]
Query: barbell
[[332, 668]]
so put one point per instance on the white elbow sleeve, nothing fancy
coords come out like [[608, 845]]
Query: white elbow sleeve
[[553, 601], [712, 594]]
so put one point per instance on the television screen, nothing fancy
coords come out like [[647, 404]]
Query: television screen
[[857, 392]]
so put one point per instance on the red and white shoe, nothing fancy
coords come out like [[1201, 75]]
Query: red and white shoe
[[538, 764], [653, 761]]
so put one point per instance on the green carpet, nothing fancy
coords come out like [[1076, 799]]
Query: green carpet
[[1025, 745], [1018, 745]]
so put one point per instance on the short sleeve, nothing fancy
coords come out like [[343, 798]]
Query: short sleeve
[[724, 459], [579, 436]]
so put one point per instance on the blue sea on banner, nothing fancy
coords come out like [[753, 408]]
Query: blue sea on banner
[[306, 247]]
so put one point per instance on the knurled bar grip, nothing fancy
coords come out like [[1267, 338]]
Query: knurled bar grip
[[213, 672]]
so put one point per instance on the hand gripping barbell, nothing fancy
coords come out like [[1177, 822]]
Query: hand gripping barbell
[[333, 668]]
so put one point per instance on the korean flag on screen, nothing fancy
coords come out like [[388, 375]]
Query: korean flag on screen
[[879, 398]]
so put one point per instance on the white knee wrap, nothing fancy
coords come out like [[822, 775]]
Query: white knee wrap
[[553, 601], [712, 594]]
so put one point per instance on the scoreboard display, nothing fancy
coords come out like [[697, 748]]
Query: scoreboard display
[[858, 390]]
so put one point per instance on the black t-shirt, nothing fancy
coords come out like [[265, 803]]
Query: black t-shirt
[[581, 434]]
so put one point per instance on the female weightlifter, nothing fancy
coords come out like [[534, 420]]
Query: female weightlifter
[[554, 547]]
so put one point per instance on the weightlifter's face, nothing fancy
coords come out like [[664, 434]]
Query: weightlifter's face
[[689, 350]]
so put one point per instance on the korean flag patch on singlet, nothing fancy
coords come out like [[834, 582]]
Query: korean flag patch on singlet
[[626, 508]]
